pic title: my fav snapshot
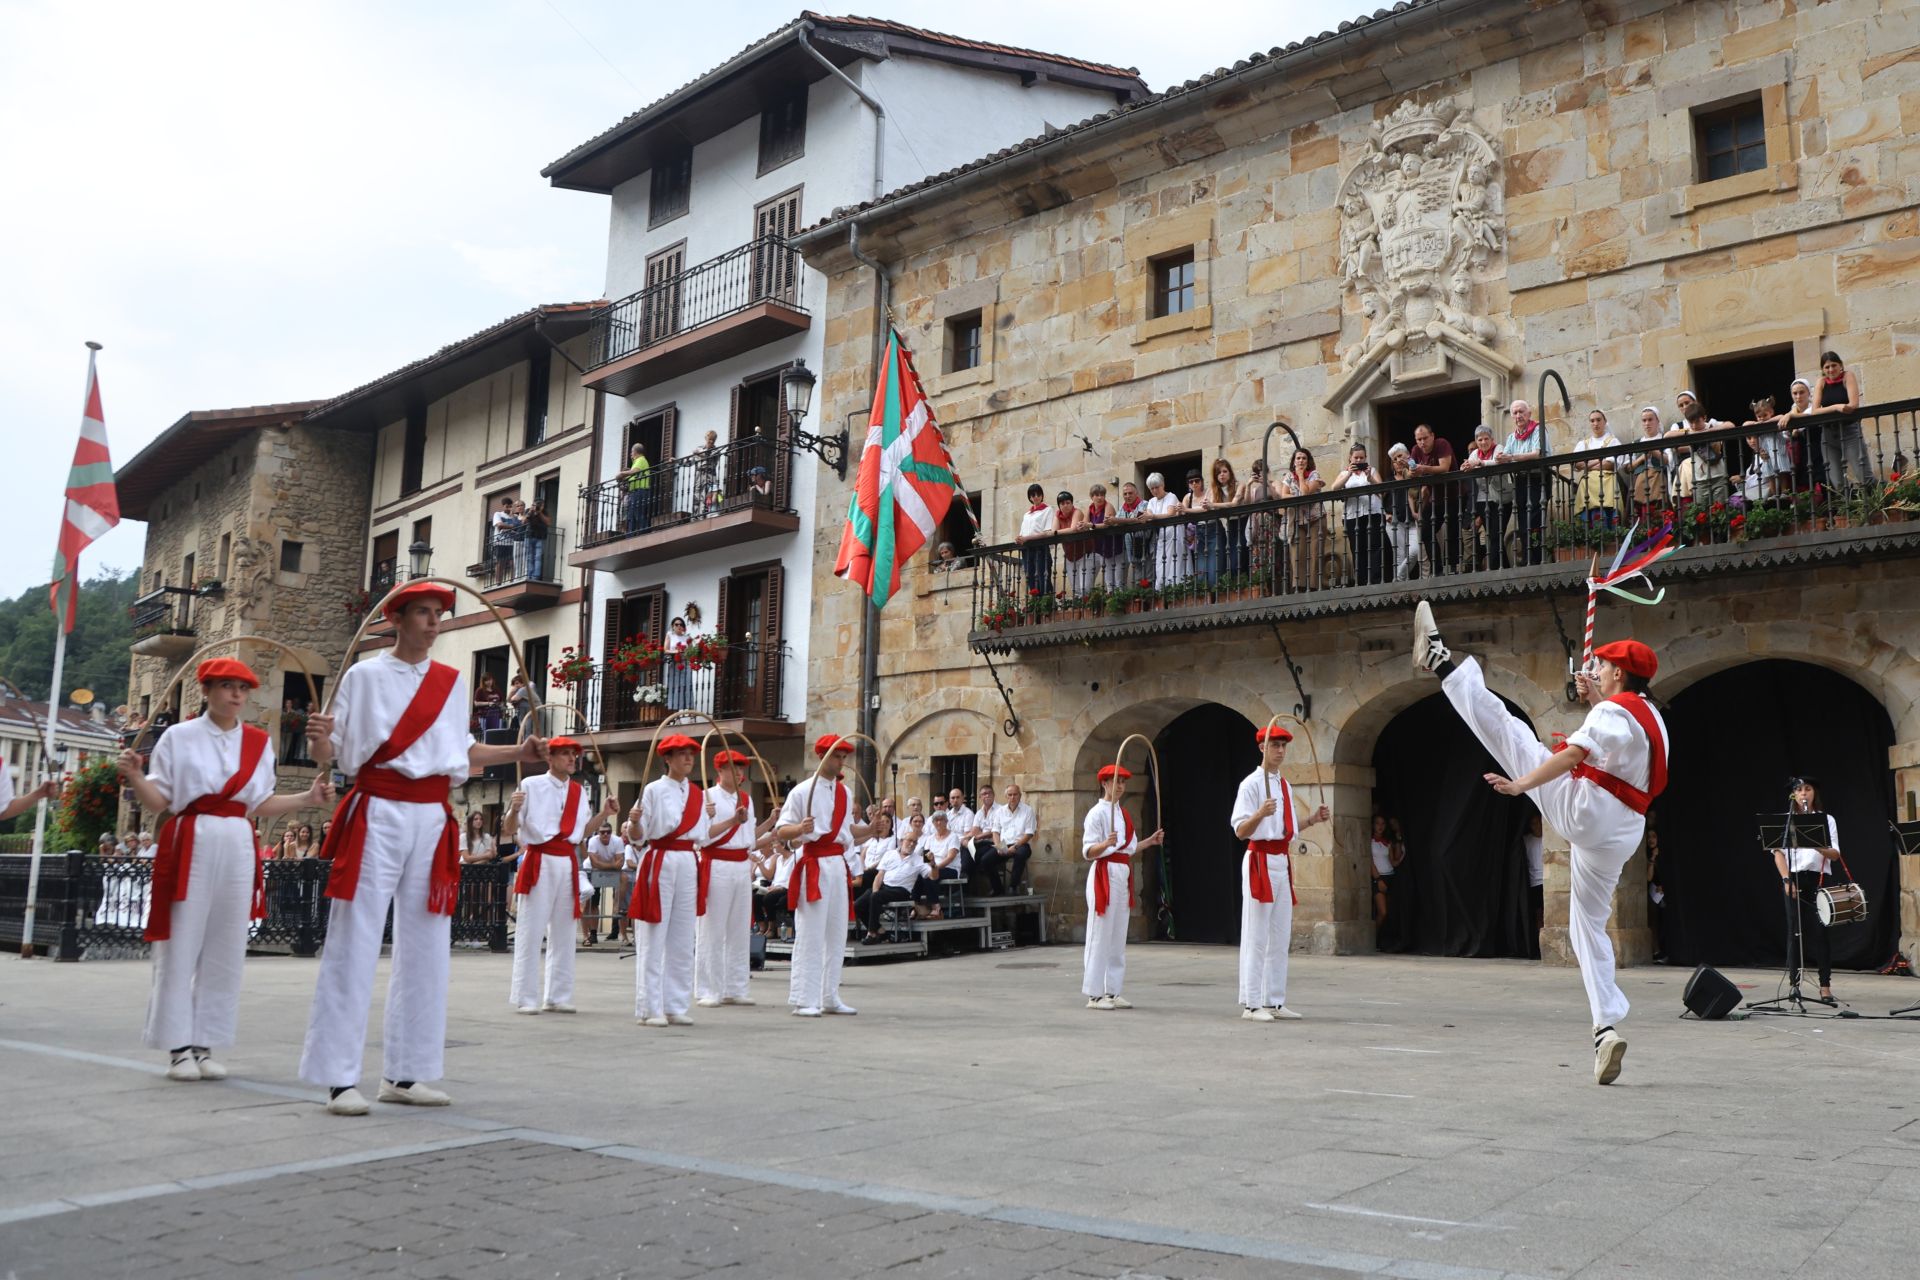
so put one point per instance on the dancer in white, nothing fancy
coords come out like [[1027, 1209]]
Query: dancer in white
[[549, 816], [1265, 817], [724, 900], [12, 806], [819, 814], [1108, 841], [1595, 791], [213, 772], [669, 823], [399, 724]]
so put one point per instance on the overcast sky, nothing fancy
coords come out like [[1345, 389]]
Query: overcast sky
[[250, 203]]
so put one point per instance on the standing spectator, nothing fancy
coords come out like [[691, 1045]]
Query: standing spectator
[[1536, 843], [1037, 524], [679, 679], [1226, 491], [538, 530], [1597, 500], [1107, 560], [759, 487], [1203, 541], [1770, 472], [304, 845], [1492, 499], [1304, 526], [1013, 844], [284, 851], [1263, 529], [1526, 442], [519, 702], [1170, 562], [1388, 853], [1656, 894], [1792, 426], [488, 705], [639, 481], [503, 540], [706, 475], [1138, 547], [605, 852], [1077, 552], [520, 552], [1843, 448], [476, 845], [1432, 455], [1700, 472], [1402, 513], [1366, 538], [1643, 476]]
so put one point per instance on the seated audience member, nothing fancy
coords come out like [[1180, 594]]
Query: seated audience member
[[939, 848], [870, 851], [1014, 827], [772, 866], [977, 841], [897, 876], [605, 852]]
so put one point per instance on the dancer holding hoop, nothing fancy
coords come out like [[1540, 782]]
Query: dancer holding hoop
[[399, 724], [724, 901], [549, 815], [1265, 817], [669, 822], [821, 819], [1108, 841]]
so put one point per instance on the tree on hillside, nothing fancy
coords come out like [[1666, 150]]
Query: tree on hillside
[[96, 651]]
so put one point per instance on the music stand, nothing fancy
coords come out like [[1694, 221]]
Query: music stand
[[1907, 840], [1791, 831]]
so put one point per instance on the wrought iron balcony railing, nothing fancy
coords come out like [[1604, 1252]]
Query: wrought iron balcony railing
[[521, 560], [705, 483], [745, 682], [763, 270], [167, 611]]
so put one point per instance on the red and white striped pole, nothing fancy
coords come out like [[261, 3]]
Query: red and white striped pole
[[1593, 603]]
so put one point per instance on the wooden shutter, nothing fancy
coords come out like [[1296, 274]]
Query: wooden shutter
[[782, 451], [776, 267], [726, 679], [610, 703], [660, 314], [669, 418], [770, 635]]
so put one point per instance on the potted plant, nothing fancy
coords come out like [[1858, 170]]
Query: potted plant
[[572, 670], [1903, 496], [702, 653], [1121, 600]]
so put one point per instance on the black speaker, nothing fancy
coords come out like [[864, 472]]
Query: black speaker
[[756, 951], [1709, 995]]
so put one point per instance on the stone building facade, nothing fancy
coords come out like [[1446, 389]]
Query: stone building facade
[[1416, 217]]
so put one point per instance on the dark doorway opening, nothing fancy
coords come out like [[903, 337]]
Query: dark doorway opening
[[1192, 887], [1465, 855], [1723, 903], [1728, 385], [1453, 414]]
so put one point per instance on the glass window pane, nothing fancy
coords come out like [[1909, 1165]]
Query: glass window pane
[[1752, 126], [1720, 166], [1751, 158], [1717, 135]]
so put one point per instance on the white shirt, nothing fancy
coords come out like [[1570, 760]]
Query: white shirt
[[6, 784], [1253, 793], [1615, 745], [196, 758], [782, 871], [372, 696], [1536, 860], [812, 803], [546, 801], [1382, 858], [1359, 503], [960, 822], [941, 849], [1104, 820], [662, 805], [480, 847], [607, 848], [724, 804], [873, 852], [1037, 523], [1164, 505], [900, 870], [1014, 826], [1812, 859]]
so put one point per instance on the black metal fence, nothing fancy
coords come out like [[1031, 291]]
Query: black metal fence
[[704, 483], [763, 270], [745, 681], [523, 559], [165, 611], [1749, 484], [96, 908]]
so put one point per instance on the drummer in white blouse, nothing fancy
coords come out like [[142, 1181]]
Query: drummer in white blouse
[[549, 816], [212, 772], [1801, 874], [1265, 816], [1108, 841], [720, 955], [670, 822]]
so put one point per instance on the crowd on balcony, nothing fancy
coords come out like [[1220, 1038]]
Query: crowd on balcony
[[710, 480], [1510, 499], [520, 543]]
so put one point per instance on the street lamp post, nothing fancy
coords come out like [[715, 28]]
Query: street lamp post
[[796, 394]]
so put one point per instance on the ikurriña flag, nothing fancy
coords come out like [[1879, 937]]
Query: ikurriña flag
[[92, 506], [905, 484]]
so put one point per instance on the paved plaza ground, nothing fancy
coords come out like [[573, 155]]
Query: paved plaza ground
[[1428, 1118]]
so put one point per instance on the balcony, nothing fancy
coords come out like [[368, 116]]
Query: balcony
[[1759, 499], [741, 691], [163, 623], [385, 576], [694, 503], [522, 576], [727, 305]]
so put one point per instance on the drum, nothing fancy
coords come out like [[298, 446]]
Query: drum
[[1841, 904]]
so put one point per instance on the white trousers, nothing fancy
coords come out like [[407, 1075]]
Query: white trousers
[[1266, 931], [1602, 832], [1104, 961], [396, 867], [548, 912], [663, 953], [196, 973], [1404, 537], [819, 942], [720, 939]]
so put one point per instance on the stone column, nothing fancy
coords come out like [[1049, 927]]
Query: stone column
[[1904, 758], [1334, 880]]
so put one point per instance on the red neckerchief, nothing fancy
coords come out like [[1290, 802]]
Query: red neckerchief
[[1097, 511], [1485, 455], [1128, 508], [174, 858], [1522, 433], [1038, 506], [1065, 518]]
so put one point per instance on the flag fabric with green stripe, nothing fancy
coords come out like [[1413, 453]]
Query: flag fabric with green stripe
[[905, 484], [92, 507]]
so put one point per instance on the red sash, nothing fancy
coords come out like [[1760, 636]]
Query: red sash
[[347, 839], [645, 905], [1259, 882], [713, 853], [1102, 889], [174, 858], [806, 867], [1619, 788], [529, 873]]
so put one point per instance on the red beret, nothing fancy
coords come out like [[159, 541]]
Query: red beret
[[443, 596], [1630, 656], [831, 742], [1108, 772], [226, 669], [674, 742], [731, 757], [1273, 731], [562, 743]]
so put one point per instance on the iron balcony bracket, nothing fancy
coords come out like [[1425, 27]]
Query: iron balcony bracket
[[1304, 707], [1011, 725], [831, 450]]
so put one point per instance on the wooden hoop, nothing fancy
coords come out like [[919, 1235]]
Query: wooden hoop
[[1319, 784], [599, 756], [1159, 813], [686, 715], [192, 661], [839, 738], [375, 611]]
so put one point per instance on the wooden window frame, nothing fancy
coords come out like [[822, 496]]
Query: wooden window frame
[[1747, 110], [771, 154], [670, 199], [1165, 289], [966, 341]]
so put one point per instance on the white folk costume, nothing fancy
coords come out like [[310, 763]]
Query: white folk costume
[[817, 888], [1110, 898], [553, 821], [673, 823], [206, 879], [1600, 807], [1267, 896], [724, 902], [400, 730]]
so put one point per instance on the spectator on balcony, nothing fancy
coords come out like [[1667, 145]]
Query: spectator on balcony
[[488, 705], [1305, 526], [1770, 470], [1492, 500], [1104, 559], [1171, 560], [1402, 511], [539, 529], [283, 850], [638, 478], [1792, 425], [706, 476], [1263, 529], [1364, 517], [1014, 827], [476, 843], [1035, 556], [505, 541], [1700, 471], [1597, 499], [1643, 476], [1439, 503], [760, 489], [1527, 442], [679, 679], [1204, 553], [1083, 564], [1843, 446], [1225, 489], [519, 702], [1137, 547], [304, 845]]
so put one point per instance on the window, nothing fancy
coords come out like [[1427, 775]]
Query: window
[[386, 558], [783, 130], [776, 268], [226, 553], [539, 370], [290, 553], [413, 456], [1173, 284], [957, 529], [660, 306], [1730, 140], [670, 188], [962, 772], [963, 342]]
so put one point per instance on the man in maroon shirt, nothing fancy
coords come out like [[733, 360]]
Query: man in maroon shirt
[[1433, 456]]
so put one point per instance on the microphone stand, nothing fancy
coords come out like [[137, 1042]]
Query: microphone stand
[[1901, 847], [1781, 831]]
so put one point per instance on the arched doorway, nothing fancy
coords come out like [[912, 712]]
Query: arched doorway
[[1737, 737], [1193, 886], [1465, 854]]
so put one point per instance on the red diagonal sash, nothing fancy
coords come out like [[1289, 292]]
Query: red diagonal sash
[[806, 868], [645, 905], [174, 859], [1102, 888], [1619, 788], [1259, 882], [562, 843], [712, 852]]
